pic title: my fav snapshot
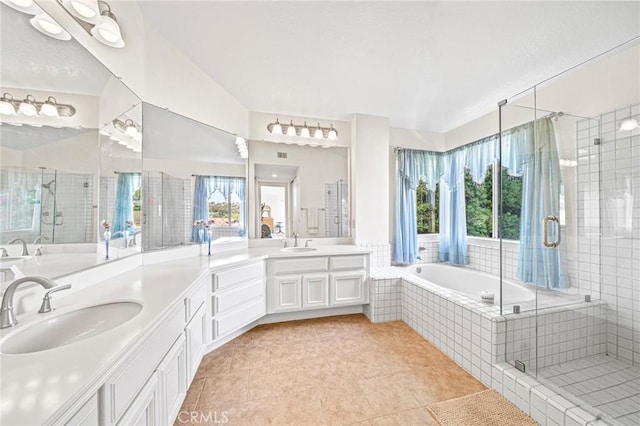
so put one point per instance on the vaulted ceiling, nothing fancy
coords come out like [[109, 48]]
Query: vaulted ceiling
[[426, 65]]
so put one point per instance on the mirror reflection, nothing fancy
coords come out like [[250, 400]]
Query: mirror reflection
[[57, 104], [194, 182], [296, 193]]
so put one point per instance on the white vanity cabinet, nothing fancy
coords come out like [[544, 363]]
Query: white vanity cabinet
[[151, 384], [237, 298], [316, 282]]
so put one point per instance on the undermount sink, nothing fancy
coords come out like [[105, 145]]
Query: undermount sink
[[297, 249], [64, 329]]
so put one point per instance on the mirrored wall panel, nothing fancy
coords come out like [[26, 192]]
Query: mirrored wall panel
[[60, 147], [297, 193], [194, 182]]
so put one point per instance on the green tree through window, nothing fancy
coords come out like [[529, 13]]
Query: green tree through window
[[479, 206], [427, 208]]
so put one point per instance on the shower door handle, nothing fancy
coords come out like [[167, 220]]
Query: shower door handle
[[545, 223]]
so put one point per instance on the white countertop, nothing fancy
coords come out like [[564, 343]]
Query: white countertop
[[39, 385]]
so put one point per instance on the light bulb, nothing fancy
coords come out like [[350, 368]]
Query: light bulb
[[628, 124], [318, 133], [130, 130], [277, 128], [6, 105], [291, 131], [108, 31], [47, 26], [28, 107], [333, 135], [49, 107], [305, 131]]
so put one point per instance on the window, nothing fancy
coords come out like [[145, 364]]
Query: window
[[224, 211], [479, 206], [427, 212]]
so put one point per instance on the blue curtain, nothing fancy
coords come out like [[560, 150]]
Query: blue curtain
[[227, 185], [412, 166], [531, 152], [200, 207], [453, 220], [127, 185]]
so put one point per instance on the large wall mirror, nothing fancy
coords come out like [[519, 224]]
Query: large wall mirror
[[194, 182], [296, 192], [63, 143]]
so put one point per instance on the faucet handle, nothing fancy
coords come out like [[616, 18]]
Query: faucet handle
[[284, 243], [4, 252], [306, 243], [47, 303]]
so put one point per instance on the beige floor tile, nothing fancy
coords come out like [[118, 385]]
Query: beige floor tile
[[336, 370]]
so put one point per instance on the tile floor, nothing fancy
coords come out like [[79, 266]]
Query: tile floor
[[336, 370], [602, 384]]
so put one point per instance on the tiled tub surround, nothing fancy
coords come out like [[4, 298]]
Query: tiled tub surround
[[483, 342]]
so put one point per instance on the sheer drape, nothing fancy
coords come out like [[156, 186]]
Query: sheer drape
[[412, 166], [535, 157]]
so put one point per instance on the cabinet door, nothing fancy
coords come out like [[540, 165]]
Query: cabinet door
[[348, 288], [87, 415], [315, 291], [144, 409], [172, 381], [285, 293], [195, 342]]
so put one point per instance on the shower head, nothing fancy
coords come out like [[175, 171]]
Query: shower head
[[48, 184]]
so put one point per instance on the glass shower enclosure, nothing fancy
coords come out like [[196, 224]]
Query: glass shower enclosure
[[574, 140]]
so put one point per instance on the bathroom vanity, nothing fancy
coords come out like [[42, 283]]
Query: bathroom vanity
[[139, 372]]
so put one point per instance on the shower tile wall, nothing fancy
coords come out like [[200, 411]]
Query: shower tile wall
[[487, 259], [74, 213], [609, 206], [336, 210]]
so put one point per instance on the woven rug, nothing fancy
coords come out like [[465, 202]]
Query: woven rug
[[485, 408]]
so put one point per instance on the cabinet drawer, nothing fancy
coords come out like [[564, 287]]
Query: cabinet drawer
[[304, 264], [226, 300], [238, 318], [348, 262], [122, 387], [231, 277], [195, 300]]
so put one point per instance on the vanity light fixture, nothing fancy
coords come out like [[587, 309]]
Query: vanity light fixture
[[87, 10], [107, 31], [128, 127], [24, 6], [303, 131], [628, 124], [31, 107], [47, 26], [243, 149]]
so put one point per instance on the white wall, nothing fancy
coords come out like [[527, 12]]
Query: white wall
[[10, 157], [370, 178]]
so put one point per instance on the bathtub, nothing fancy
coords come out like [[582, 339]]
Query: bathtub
[[471, 283]]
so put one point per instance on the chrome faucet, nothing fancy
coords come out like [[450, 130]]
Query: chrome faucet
[[7, 316], [47, 303], [295, 239], [133, 242], [25, 252], [284, 243], [306, 243], [40, 238]]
